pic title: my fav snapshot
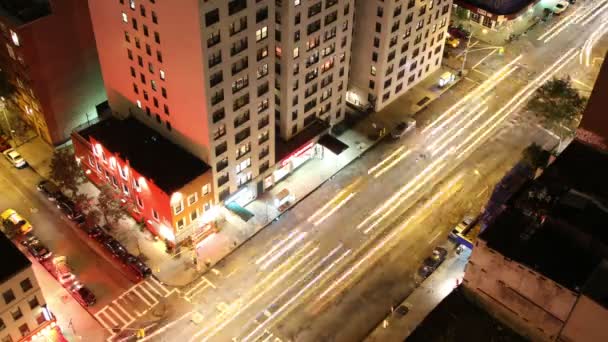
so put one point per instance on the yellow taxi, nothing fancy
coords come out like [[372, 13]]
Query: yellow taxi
[[452, 41], [10, 216]]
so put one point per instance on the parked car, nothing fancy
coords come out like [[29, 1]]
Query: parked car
[[4, 144], [403, 128], [432, 262], [63, 271], [11, 217], [138, 266], [39, 251], [29, 239], [560, 7], [83, 294], [401, 310], [14, 158], [98, 234], [69, 209], [466, 221], [49, 189], [116, 249]]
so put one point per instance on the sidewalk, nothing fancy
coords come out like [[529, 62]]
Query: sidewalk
[[423, 299], [180, 269]]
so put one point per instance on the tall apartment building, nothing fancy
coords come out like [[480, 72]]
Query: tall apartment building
[[48, 53], [24, 315], [313, 61], [198, 72], [397, 44]]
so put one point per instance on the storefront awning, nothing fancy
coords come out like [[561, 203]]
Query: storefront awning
[[333, 144], [241, 212]]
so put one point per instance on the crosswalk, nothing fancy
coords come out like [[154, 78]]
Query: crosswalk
[[132, 304], [197, 289]]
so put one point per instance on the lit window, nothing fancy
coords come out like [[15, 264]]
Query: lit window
[[124, 17], [139, 104], [261, 33], [296, 52], [178, 207], [192, 199], [162, 74], [206, 189], [132, 4], [15, 37], [296, 2]]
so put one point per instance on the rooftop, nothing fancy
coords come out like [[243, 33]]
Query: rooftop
[[169, 166], [24, 11], [13, 261], [556, 224], [500, 7], [457, 319]]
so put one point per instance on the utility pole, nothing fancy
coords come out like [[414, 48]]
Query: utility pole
[[466, 51]]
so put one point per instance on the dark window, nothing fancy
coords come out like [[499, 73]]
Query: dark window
[[236, 6], [212, 17]]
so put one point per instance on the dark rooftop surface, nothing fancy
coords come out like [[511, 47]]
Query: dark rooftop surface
[[13, 261], [24, 11], [499, 6], [456, 319], [285, 148], [169, 166], [557, 223]]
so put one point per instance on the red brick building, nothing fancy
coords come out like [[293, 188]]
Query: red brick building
[[49, 53], [164, 185]]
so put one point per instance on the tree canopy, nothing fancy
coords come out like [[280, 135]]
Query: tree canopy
[[557, 101], [65, 171], [109, 205]]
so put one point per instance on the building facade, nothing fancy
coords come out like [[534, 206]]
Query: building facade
[[200, 73], [161, 184], [24, 315], [49, 55], [313, 44], [397, 44]]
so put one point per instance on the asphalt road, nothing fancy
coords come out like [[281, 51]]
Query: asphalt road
[[18, 188], [332, 266]]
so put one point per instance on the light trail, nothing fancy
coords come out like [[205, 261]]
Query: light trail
[[297, 282], [385, 160], [344, 191], [459, 131], [402, 190], [591, 12], [266, 289], [460, 119], [517, 100], [566, 21], [393, 163], [334, 209], [451, 187], [483, 88], [575, 18], [276, 246], [283, 250], [456, 116]]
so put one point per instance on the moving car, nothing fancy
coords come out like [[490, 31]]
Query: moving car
[[560, 7], [15, 158], [452, 41], [403, 128], [49, 189], [459, 33], [11, 217], [83, 294]]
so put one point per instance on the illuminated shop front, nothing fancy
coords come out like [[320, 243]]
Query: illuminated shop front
[[295, 160]]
